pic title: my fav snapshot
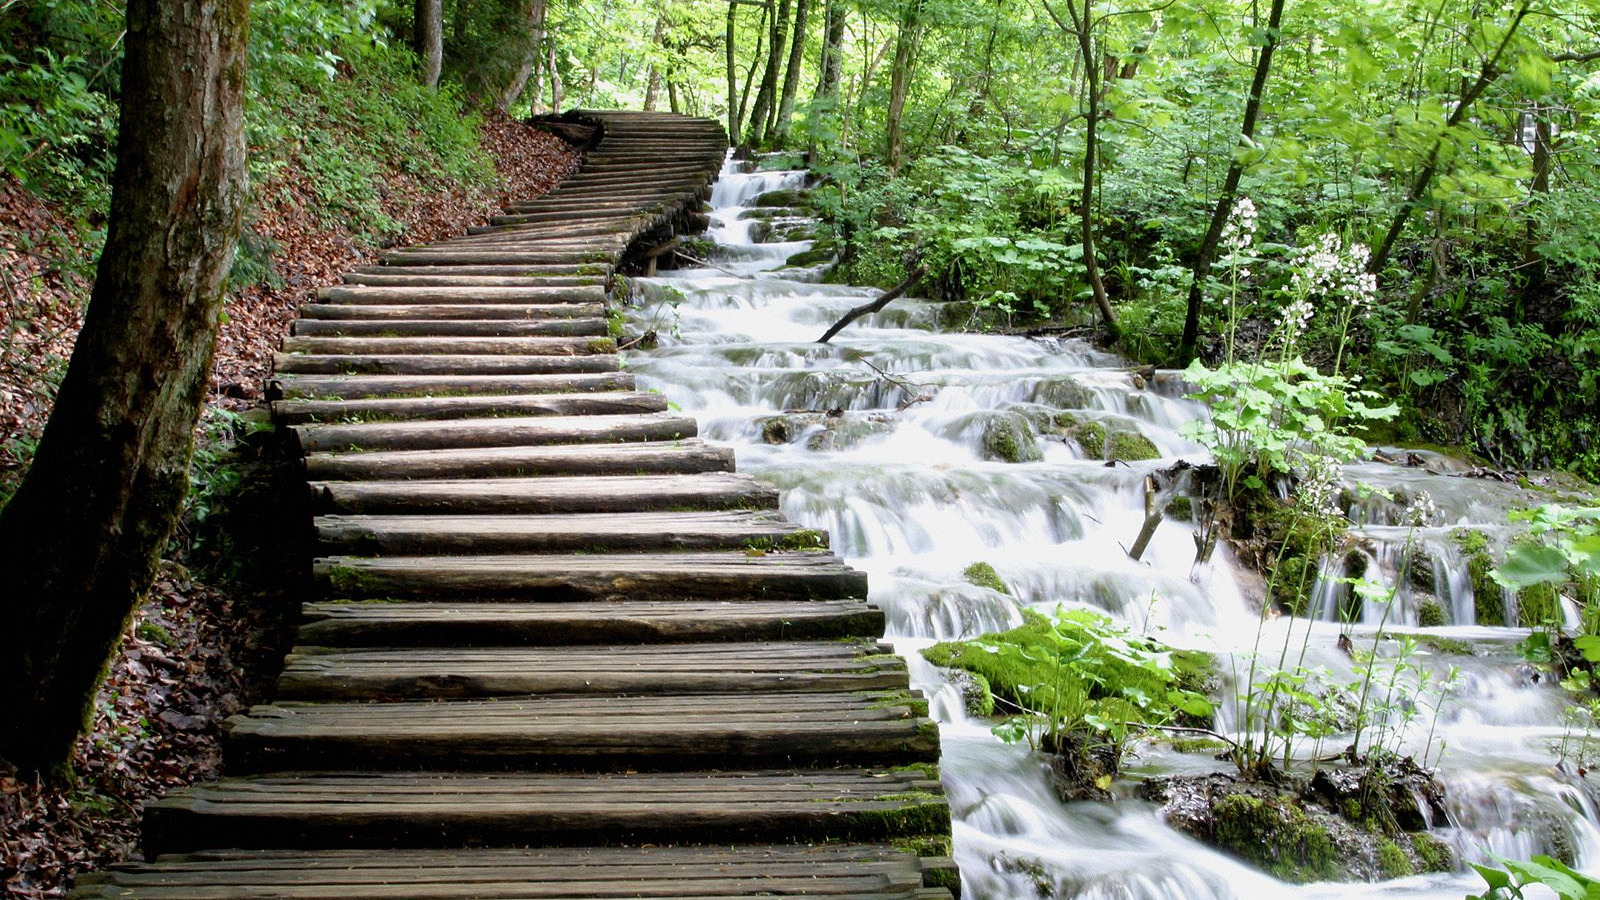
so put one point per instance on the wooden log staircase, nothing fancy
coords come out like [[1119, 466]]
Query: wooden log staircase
[[563, 650]]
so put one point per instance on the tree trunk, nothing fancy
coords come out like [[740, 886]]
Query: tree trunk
[[1487, 74], [1230, 188], [750, 73], [791, 75], [905, 56], [1081, 27], [85, 529], [833, 52], [653, 82], [730, 57], [428, 38], [530, 26], [555, 81], [767, 97]]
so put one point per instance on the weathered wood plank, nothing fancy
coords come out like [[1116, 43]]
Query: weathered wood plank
[[480, 433], [297, 412], [440, 364], [460, 346], [409, 810], [586, 533], [512, 496], [388, 624], [415, 673], [355, 387], [475, 294], [676, 457], [733, 576], [448, 327]]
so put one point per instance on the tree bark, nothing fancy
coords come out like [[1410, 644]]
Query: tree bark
[[730, 57], [530, 26], [1230, 189], [653, 82], [86, 527], [428, 38], [906, 44], [833, 52], [791, 75], [762, 114]]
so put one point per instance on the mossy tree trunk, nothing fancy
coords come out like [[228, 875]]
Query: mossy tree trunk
[[907, 41], [85, 529], [791, 74]]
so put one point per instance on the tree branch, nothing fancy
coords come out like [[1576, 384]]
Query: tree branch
[[888, 297]]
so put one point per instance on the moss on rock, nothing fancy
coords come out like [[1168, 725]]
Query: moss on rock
[[981, 574], [1430, 614], [1130, 446], [1278, 837], [1009, 437]]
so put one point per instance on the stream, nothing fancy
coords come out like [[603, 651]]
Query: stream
[[890, 461]]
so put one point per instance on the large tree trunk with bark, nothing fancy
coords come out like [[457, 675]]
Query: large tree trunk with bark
[[1188, 346], [427, 38], [905, 56], [791, 74], [85, 529], [529, 28], [653, 81]]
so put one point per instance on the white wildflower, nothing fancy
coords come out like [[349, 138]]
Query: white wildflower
[[1421, 511]]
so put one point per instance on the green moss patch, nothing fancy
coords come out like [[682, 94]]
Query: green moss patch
[[981, 574]]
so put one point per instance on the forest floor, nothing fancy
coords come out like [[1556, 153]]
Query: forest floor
[[158, 716]]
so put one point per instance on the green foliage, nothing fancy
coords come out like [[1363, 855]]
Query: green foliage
[[1508, 882], [1278, 837], [983, 575], [1079, 675], [1267, 418]]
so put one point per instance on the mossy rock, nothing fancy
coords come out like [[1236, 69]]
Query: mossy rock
[[1131, 446], [981, 574], [1430, 614], [818, 255], [1394, 862], [1278, 837], [1291, 584], [797, 199], [1091, 439], [1538, 604], [1181, 509], [1009, 437]]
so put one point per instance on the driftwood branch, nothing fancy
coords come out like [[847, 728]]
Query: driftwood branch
[[1152, 518], [888, 297]]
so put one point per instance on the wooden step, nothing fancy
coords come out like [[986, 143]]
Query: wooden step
[[439, 364], [591, 533], [442, 346], [479, 433], [452, 327], [511, 496], [402, 278], [389, 624], [297, 412], [535, 314], [854, 871], [414, 673], [587, 270], [678, 457], [422, 809], [307, 387], [696, 731], [496, 258], [560, 578], [479, 295]]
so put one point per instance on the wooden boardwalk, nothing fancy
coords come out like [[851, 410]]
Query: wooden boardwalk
[[565, 650]]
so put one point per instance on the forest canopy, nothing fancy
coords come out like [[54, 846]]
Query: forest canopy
[[1062, 160]]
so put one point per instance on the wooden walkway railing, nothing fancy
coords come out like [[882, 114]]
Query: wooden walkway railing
[[565, 651]]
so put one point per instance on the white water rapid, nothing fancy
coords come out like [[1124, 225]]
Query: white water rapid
[[889, 462]]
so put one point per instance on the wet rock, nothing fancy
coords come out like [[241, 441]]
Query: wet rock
[[1009, 437], [1348, 824], [824, 431]]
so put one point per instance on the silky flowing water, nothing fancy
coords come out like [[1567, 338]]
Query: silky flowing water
[[877, 438]]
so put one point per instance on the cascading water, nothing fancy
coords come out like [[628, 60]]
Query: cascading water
[[880, 437]]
